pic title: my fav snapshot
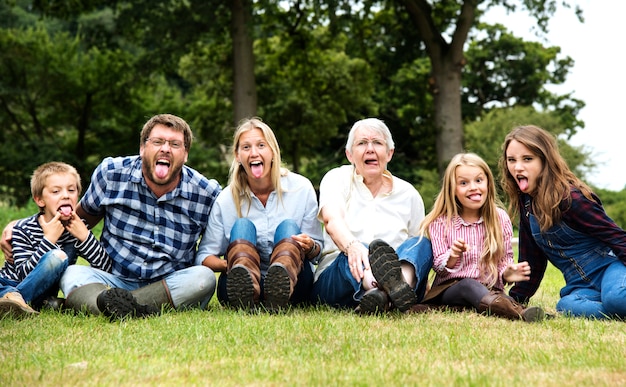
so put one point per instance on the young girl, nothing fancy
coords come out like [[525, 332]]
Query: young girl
[[471, 241], [562, 221]]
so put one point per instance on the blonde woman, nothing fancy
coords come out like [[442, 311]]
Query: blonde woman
[[264, 225]]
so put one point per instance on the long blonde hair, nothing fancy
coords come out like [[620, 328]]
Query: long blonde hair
[[238, 178], [554, 181], [447, 204]]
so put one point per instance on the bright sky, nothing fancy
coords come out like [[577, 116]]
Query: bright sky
[[598, 78]]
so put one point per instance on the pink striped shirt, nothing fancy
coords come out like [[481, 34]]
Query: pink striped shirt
[[468, 266]]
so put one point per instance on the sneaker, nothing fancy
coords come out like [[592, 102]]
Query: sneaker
[[277, 288], [386, 268], [13, 304], [374, 301], [119, 303]]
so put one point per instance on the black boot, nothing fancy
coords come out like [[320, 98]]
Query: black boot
[[117, 303], [374, 301], [387, 271], [84, 298]]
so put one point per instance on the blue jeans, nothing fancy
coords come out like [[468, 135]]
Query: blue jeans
[[337, 287], [188, 287], [245, 229], [595, 279], [42, 280], [608, 301]]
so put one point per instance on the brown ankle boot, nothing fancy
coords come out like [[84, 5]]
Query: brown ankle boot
[[243, 286], [499, 304], [285, 264]]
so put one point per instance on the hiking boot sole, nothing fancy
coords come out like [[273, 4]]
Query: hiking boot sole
[[119, 303], [239, 288], [387, 270], [277, 288]]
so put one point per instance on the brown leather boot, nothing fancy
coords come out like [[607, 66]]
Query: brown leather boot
[[243, 286], [285, 264], [499, 304]]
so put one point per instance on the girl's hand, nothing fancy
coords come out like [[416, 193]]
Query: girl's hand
[[516, 272], [458, 248], [456, 252]]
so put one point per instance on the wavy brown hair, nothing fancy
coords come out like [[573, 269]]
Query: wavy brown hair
[[554, 183]]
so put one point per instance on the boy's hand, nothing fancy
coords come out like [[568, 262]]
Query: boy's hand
[[53, 229], [77, 227]]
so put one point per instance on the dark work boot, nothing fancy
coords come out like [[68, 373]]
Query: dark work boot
[[84, 298], [117, 303], [374, 301], [157, 295], [387, 271]]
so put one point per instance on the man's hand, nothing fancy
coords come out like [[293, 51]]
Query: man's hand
[[5, 243]]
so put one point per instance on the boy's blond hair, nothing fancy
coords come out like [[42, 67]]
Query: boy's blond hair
[[44, 171]]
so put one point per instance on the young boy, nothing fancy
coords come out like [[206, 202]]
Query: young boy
[[45, 244]]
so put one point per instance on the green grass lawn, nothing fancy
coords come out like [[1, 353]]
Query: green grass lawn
[[315, 346]]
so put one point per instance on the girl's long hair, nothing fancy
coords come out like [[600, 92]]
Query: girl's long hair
[[554, 183], [446, 204]]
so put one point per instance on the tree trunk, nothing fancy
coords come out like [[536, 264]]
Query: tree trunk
[[244, 83], [448, 120], [447, 61]]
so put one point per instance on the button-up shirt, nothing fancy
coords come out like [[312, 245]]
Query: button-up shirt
[[147, 237]]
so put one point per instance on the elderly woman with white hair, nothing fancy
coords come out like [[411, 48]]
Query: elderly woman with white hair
[[373, 259]]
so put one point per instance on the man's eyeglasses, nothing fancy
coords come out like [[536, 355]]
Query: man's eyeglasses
[[159, 142]]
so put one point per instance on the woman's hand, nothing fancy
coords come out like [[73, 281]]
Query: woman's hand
[[307, 244], [358, 259]]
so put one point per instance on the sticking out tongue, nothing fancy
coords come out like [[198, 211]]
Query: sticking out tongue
[[523, 184], [257, 170], [161, 170], [65, 210]]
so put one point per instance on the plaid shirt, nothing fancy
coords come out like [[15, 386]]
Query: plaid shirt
[[583, 215], [147, 237]]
